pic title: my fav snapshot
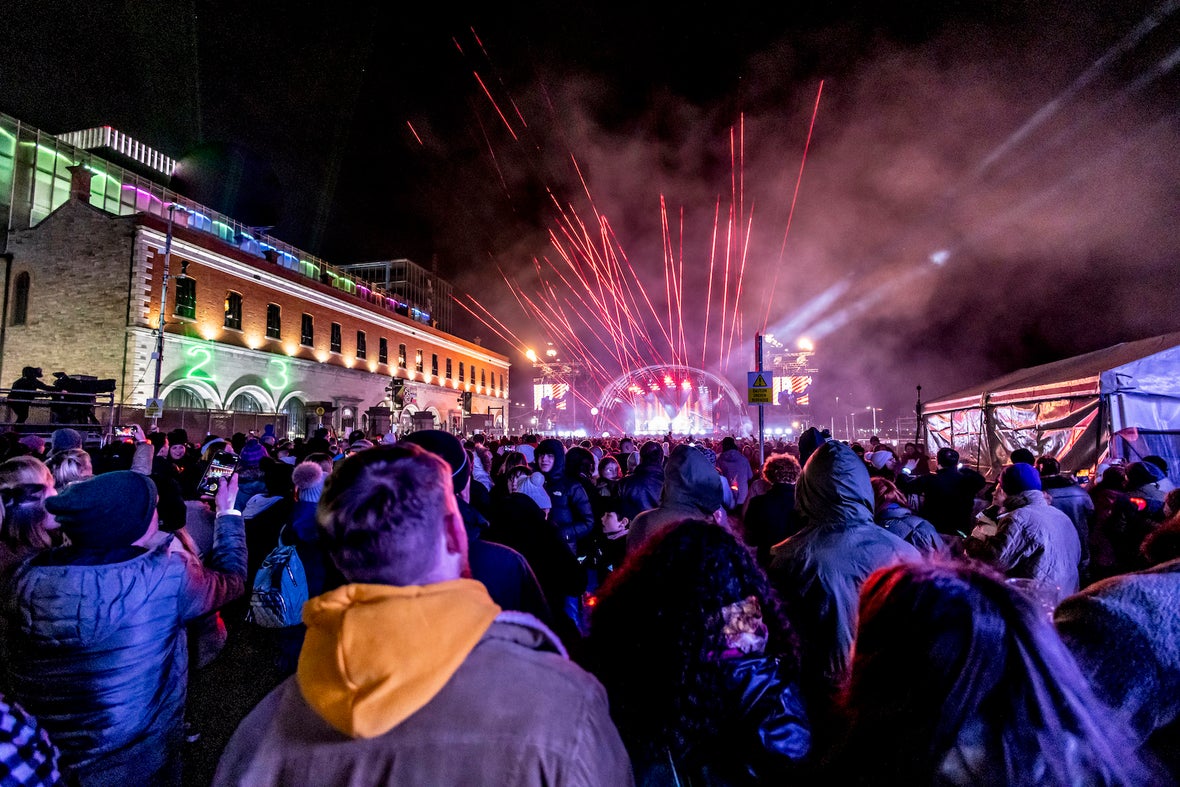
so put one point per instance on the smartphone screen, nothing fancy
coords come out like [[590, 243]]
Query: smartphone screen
[[222, 466]]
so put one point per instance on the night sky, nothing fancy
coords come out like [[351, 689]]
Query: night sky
[[989, 185]]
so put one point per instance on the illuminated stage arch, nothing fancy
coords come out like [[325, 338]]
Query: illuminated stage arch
[[670, 397]]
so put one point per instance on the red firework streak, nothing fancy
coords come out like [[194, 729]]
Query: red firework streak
[[794, 199]]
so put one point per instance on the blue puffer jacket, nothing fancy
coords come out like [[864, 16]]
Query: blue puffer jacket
[[98, 653]]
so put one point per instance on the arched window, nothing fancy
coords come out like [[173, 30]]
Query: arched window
[[244, 403], [183, 399], [20, 299]]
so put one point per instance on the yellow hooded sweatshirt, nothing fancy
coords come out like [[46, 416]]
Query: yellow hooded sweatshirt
[[376, 654]]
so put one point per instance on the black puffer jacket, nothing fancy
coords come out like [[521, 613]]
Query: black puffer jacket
[[571, 514]]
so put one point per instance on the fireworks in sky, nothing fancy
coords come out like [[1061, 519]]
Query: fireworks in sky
[[590, 295]]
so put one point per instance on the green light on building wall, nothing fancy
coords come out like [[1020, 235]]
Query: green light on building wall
[[276, 378], [201, 357]]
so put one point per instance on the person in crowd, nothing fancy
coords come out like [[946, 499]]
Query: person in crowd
[[948, 495], [640, 490], [572, 513], [736, 470], [27, 528], [692, 490], [1124, 631], [819, 570], [69, 466], [532, 485], [1022, 456], [1165, 483], [64, 439], [501, 569], [251, 458], [518, 522], [610, 476], [1145, 480], [24, 391], [699, 662], [98, 651], [811, 439], [882, 464], [958, 679], [893, 514], [770, 517], [473, 697], [1033, 540], [1068, 497]]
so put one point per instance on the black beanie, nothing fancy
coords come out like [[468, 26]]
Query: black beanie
[[449, 448], [110, 510]]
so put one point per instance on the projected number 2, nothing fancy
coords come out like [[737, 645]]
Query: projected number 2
[[202, 357]]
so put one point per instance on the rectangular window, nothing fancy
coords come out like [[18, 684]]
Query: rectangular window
[[483, 380], [274, 321], [336, 340], [449, 369], [418, 361], [434, 364], [383, 350], [460, 371], [361, 350], [473, 375], [401, 356], [233, 310], [307, 332], [186, 298]]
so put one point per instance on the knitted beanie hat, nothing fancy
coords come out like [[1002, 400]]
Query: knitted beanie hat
[[1019, 478], [109, 510], [308, 478]]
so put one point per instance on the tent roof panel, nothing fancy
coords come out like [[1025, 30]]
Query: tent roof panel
[[1074, 376]]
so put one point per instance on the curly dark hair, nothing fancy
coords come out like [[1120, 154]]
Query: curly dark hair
[[656, 634]]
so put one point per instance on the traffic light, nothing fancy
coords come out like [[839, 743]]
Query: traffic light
[[467, 403], [397, 390]]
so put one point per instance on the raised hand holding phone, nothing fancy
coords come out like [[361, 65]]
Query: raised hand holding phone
[[226, 494]]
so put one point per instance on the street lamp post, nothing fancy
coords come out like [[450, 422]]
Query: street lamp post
[[172, 208], [874, 409]]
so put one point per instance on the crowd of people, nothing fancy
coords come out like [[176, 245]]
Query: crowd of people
[[530, 610]]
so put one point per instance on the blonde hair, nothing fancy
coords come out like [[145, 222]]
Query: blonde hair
[[70, 466], [24, 484]]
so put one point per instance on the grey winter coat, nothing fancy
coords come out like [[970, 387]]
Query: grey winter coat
[[819, 570], [1034, 540], [1124, 633], [692, 490], [515, 712], [98, 653]]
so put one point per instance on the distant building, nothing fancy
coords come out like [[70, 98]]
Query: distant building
[[425, 296], [256, 331]]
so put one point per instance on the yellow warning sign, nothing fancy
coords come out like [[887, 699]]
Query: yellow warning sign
[[760, 388]]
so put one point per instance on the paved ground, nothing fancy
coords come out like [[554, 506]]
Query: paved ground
[[223, 693]]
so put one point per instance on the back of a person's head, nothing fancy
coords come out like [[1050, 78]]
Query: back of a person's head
[[662, 619], [382, 514], [651, 453], [1158, 461], [781, 469], [950, 657], [1022, 456], [579, 462], [324, 460], [947, 457], [69, 466], [1047, 466], [727, 443]]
